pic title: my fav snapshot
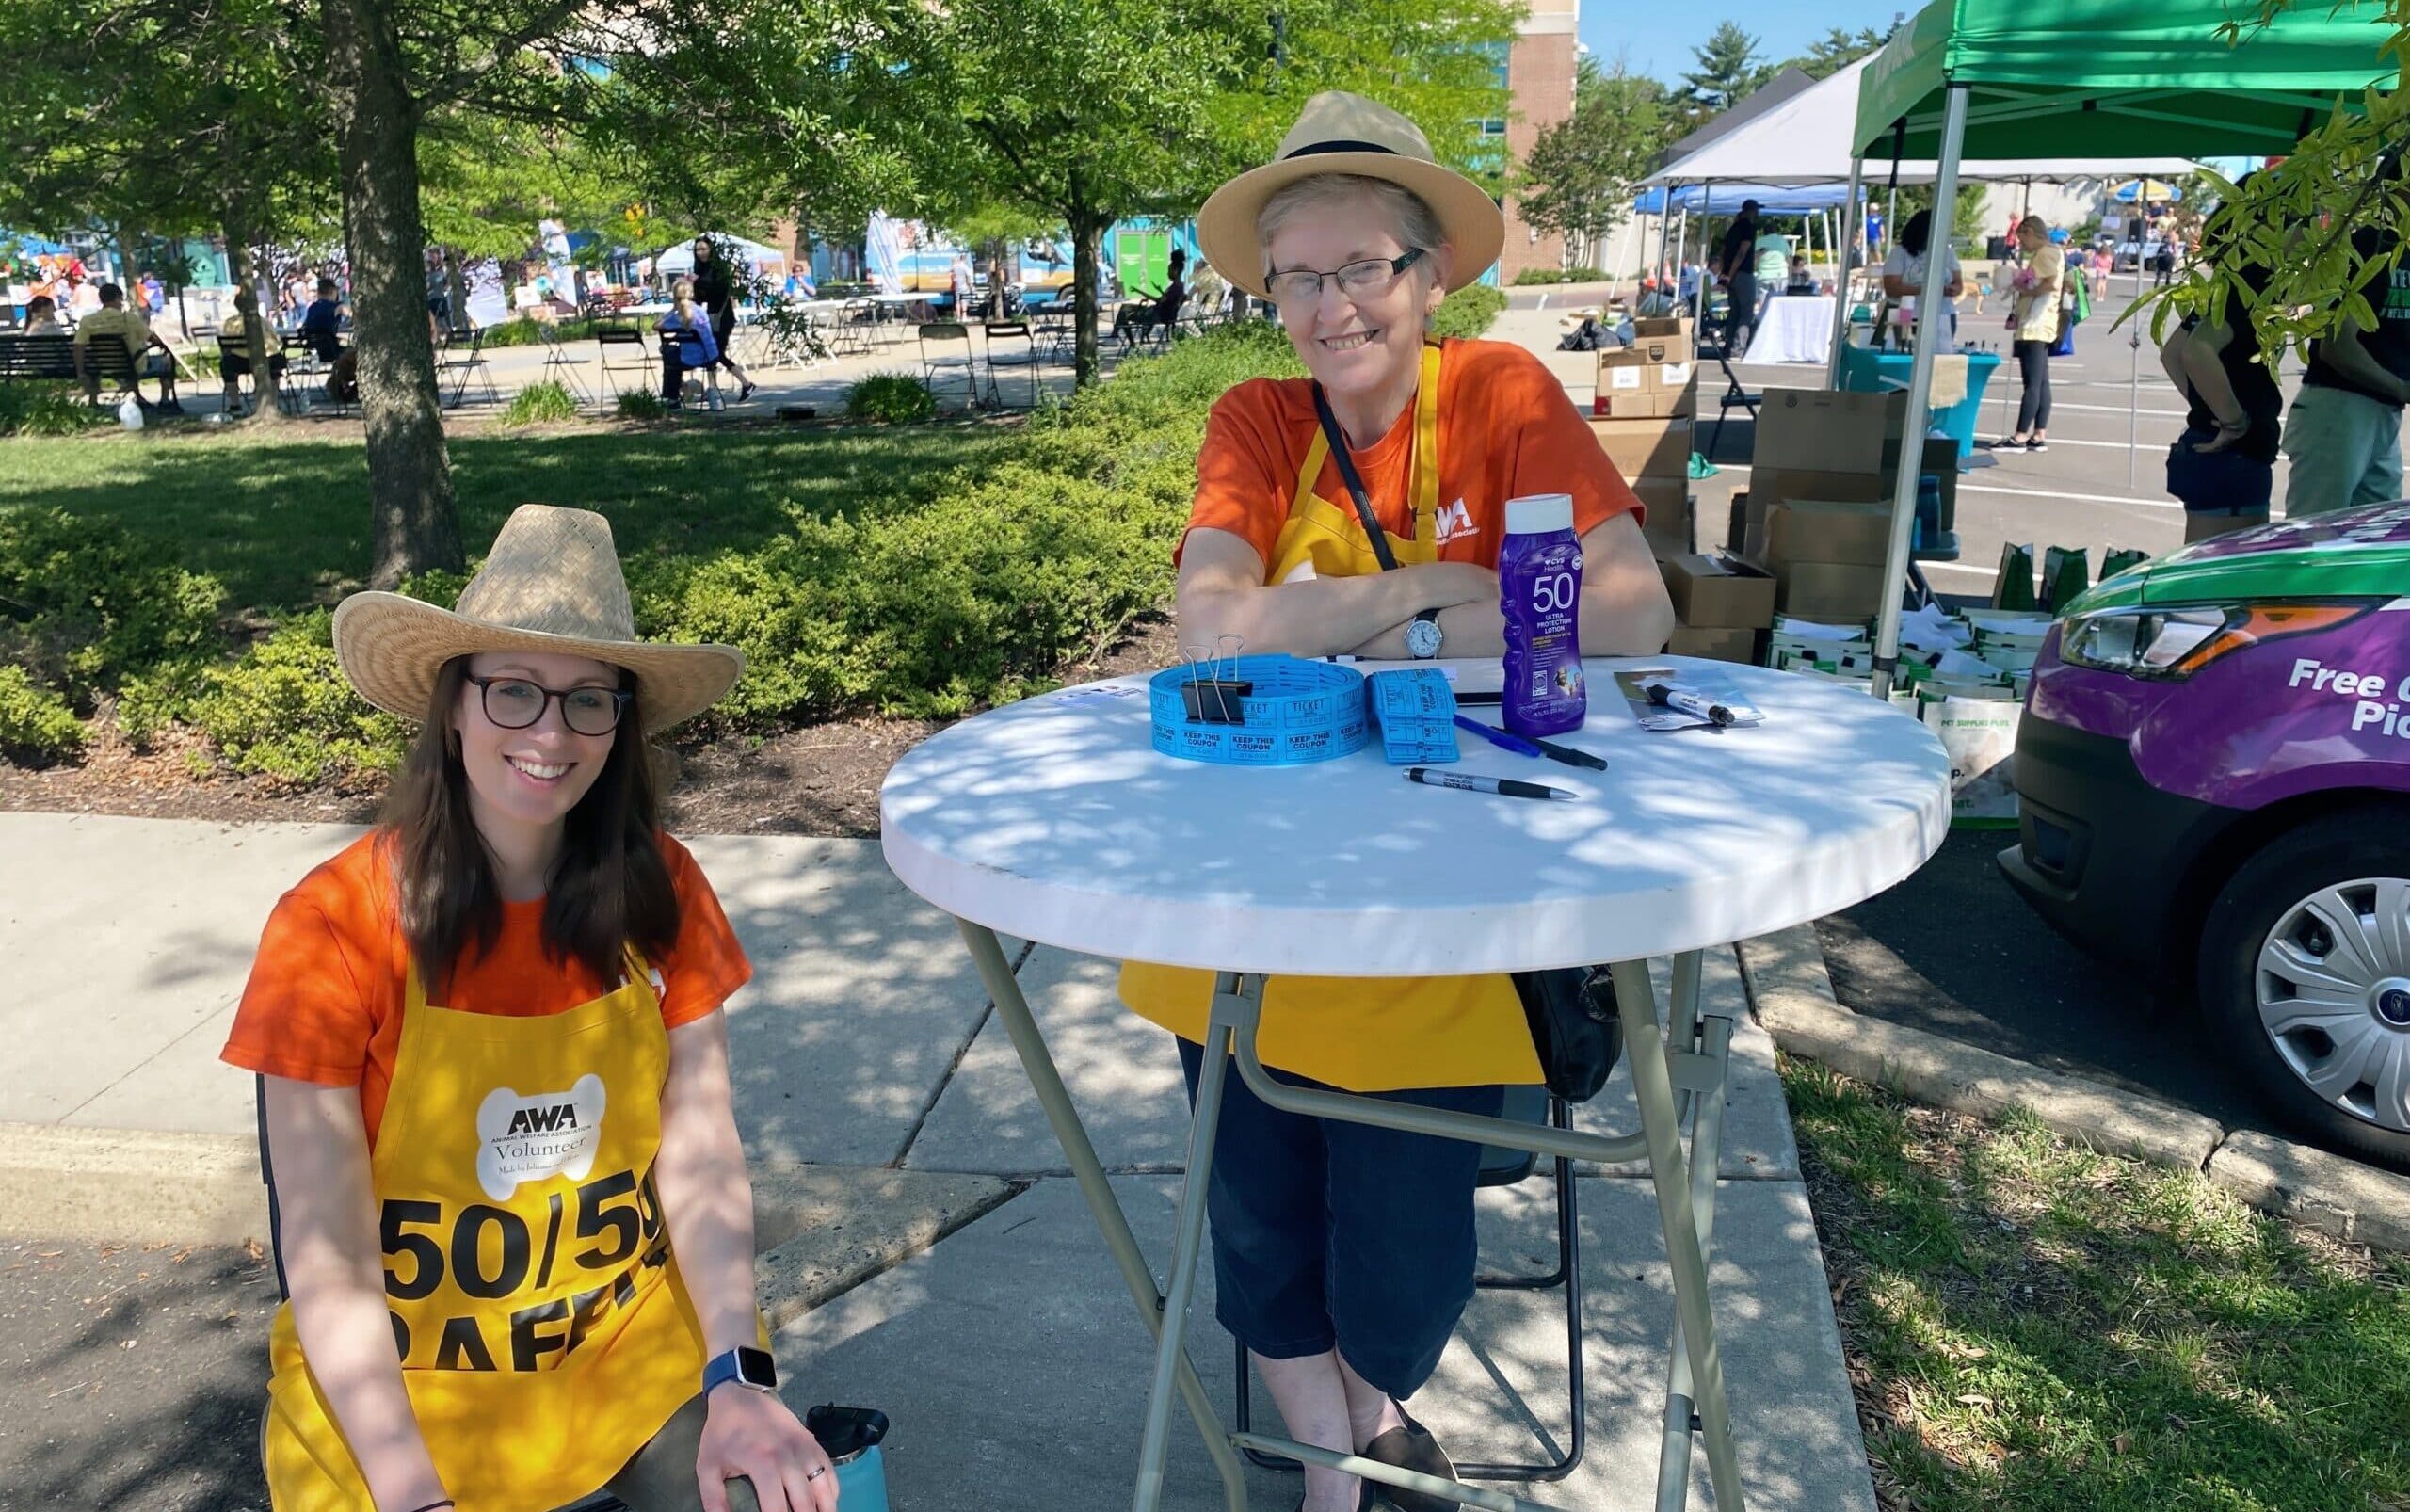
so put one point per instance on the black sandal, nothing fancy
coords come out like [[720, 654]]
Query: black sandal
[[1411, 1448]]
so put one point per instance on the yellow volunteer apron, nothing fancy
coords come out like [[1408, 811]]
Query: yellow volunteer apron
[[544, 1331], [1363, 1035]]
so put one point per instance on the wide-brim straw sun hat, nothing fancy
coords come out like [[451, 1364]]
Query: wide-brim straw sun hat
[[552, 583], [1342, 132]]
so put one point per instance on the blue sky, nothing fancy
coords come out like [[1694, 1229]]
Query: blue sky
[[1657, 37]]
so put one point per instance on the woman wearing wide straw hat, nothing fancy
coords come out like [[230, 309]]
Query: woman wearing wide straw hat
[[1344, 1254], [495, 1085]]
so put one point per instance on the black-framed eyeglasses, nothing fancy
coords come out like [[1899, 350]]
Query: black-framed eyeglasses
[[514, 704], [1367, 280]]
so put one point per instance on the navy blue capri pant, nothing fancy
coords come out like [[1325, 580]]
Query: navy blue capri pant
[[1338, 1234]]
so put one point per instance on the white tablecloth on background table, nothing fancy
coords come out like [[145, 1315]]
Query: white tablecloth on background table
[[1056, 820], [1798, 327]]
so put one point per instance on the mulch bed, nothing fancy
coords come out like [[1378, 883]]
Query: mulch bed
[[821, 780]]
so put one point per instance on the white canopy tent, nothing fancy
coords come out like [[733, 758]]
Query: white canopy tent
[[1805, 141], [679, 260]]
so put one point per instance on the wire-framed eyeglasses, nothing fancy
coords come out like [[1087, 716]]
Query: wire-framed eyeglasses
[[1368, 280], [514, 704]]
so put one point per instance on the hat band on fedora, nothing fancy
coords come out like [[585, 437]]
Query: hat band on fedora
[[1316, 149]]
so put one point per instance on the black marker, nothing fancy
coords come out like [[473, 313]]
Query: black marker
[[1504, 787]]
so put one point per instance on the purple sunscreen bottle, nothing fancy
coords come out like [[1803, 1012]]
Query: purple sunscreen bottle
[[1539, 583]]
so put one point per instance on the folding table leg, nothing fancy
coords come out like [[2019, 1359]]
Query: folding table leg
[[1707, 1151], [1660, 1120], [1188, 1235], [1003, 990]]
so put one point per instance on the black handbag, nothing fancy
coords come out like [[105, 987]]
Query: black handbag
[[1576, 1024]]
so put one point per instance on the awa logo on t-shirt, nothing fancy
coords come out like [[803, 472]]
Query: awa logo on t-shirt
[[539, 1137], [1455, 520]]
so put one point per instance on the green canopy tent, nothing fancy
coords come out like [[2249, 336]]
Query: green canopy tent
[[2001, 78]]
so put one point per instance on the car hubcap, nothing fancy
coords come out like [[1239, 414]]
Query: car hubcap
[[2334, 991]]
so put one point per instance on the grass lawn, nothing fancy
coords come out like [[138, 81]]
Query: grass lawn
[[2031, 1326], [284, 524]]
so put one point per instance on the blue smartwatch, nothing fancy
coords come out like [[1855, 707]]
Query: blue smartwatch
[[745, 1366]]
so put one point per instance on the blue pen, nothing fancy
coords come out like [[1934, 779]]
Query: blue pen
[[1499, 737]]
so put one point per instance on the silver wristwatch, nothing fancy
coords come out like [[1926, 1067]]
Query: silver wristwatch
[[1423, 635]]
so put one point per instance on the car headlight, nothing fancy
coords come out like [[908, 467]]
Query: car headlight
[[2172, 644]]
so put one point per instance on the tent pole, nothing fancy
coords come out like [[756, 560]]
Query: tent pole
[[1930, 321], [1841, 281], [1681, 248], [1706, 213]]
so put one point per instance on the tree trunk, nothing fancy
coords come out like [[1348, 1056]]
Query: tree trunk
[[1087, 239], [410, 472], [242, 266]]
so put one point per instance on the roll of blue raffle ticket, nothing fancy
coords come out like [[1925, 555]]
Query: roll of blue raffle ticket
[[1257, 711]]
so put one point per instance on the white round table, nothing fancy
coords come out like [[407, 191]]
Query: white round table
[[1056, 820]]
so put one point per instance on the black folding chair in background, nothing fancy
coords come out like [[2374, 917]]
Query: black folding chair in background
[[1509, 1168], [1018, 348], [467, 364], [946, 361], [623, 352], [1736, 396]]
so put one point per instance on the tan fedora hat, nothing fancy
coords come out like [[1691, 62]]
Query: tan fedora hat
[[1341, 133], [551, 584]]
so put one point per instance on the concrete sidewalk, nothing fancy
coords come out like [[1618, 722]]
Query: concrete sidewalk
[[922, 1251]]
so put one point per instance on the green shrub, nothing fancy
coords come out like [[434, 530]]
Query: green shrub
[[1468, 312], [1539, 275], [641, 404], [36, 725], [47, 410], [284, 710], [525, 330], [539, 404], [84, 603], [889, 399]]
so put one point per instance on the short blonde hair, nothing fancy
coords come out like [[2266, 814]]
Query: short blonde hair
[[2034, 224]]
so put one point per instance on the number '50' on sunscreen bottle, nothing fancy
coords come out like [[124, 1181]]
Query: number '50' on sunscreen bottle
[[1539, 583]]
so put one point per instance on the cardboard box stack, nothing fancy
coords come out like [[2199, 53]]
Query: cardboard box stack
[[1654, 378], [1647, 399], [1720, 604], [1819, 507]]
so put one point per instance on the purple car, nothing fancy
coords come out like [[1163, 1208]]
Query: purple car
[[2214, 775]]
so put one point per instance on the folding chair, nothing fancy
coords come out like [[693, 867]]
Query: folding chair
[[623, 350], [942, 368], [1160, 332], [1025, 357], [466, 366], [560, 367], [1508, 1168], [1735, 397]]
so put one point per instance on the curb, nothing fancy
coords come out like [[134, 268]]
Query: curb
[[1792, 994]]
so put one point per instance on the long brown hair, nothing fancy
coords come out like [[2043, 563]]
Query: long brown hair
[[609, 889]]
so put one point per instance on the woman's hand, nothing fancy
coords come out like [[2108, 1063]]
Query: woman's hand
[[753, 1434]]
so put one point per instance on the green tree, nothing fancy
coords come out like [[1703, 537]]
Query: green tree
[[1579, 178], [2293, 223], [1730, 70], [1839, 47], [156, 120], [1075, 113]]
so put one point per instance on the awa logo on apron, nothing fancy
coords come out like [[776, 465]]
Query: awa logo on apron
[[532, 1138]]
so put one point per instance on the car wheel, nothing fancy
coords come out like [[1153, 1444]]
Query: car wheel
[[2304, 970]]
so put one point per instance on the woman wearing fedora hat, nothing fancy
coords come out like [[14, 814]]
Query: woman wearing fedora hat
[[511, 1212], [1344, 1254]]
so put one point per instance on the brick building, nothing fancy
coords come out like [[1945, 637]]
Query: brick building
[[1539, 88]]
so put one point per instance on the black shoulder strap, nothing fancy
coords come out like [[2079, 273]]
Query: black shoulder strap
[[1347, 475]]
